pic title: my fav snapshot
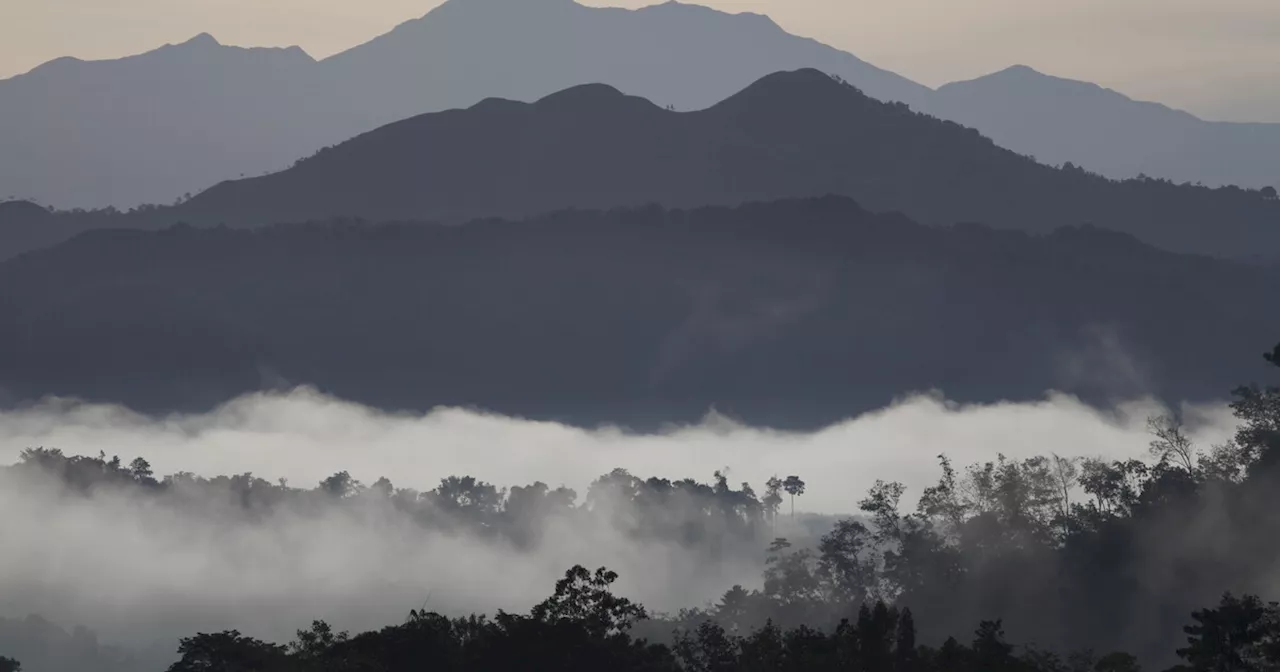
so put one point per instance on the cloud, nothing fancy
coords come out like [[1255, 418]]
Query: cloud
[[305, 436]]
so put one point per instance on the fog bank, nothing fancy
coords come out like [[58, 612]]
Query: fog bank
[[305, 436]]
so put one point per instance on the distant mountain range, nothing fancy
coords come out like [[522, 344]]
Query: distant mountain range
[[179, 119], [1061, 120], [791, 314], [792, 134]]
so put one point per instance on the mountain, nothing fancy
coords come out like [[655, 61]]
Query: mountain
[[683, 55], [1061, 120], [792, 314], [790, 134], [150, 128]]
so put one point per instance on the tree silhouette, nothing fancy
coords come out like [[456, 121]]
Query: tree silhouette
[[228, 651], [794, 487], [9, 665], [585, 598], [1237, 636], [772, 497], [1117, 661], [1171, 443]]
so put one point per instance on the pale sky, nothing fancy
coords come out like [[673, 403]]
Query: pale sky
[[1217, 58]]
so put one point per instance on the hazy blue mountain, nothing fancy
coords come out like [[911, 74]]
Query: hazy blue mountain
[[1060, 120], [683, 55], [792, 314], [152, 127]]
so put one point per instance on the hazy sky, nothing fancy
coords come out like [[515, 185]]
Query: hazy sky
[[1217, 58]]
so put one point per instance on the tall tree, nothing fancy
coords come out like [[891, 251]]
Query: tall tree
[[772, 497], [794, 487]]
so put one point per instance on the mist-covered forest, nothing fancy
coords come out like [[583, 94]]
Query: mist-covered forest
[[1084, 563]]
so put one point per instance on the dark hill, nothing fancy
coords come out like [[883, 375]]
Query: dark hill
[[792, 313], [793, 134], [22, 211]]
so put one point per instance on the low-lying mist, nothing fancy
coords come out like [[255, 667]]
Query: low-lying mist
[[143, 574]]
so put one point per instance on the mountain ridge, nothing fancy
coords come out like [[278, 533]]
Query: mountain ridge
[[792, 314], [137, 130], [792, 134]]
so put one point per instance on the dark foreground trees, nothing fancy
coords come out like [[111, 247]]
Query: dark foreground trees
[[583, 626]]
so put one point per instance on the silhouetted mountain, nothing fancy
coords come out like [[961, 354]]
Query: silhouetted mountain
[[788, 135], [1060, 120], [149, 128], [793, 313], [179, 119], [683, 55], [153, 127], [22, 211]]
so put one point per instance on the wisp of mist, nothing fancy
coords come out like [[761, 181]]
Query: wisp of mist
[[139, 573]]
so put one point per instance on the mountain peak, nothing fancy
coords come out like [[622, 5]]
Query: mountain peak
[[515, 3], [583, 94], [202, 40], [791, 86], [20, 210], [781, 81], [1018, 70], [689, 9]]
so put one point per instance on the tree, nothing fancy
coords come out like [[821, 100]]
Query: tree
[[9, 665], [340, 485], [1269, 193], [1066, 474], [772, 497], [313, 644], [141, 470], [1117, 662], [585, 598], [794, 487], [1171, 443], [228, 651], [789, 576], [1237, 636], [846, 562], [990, 650]]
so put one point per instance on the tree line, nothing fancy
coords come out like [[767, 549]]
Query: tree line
[[584, 626]]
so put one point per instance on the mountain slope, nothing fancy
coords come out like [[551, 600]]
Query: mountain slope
[[1059, 120], [789, 134], [152, 127], [792, 314], [149, 128], [683, 55]]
